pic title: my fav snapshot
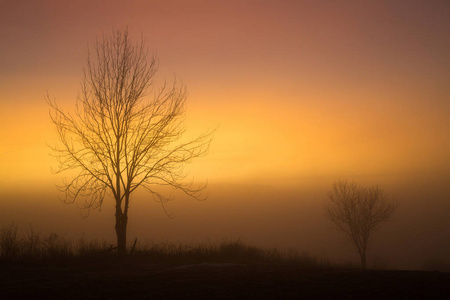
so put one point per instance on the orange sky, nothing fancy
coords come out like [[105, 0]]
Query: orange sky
[[299, 90]]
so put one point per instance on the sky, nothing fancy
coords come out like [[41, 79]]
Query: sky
[[302, 93]]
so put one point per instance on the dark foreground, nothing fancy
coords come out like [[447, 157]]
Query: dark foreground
[[214, 281]]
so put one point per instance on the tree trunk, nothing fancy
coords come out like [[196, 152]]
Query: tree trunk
[[363, 260], [121, 231]]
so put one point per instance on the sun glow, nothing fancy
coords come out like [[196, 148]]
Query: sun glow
[[254, 141]]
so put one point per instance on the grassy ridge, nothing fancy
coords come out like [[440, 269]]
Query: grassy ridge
[[33, 247], [36, 248]]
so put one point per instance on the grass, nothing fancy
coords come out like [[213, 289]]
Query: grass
[[229, 252], [35, 248]]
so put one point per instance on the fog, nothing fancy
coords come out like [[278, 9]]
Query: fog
[[325, 90], [286, 216]]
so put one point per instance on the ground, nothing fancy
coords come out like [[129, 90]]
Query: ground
[[142, 280]]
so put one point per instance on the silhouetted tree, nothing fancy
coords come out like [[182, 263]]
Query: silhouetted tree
[[357, 211], [115, 140]]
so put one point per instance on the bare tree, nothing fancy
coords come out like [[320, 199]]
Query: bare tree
[[115, 140], [357, 211]]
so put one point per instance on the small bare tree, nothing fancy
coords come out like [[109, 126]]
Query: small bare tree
[[115, 140], [357, 211]]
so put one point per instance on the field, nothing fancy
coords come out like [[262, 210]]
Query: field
[[146, 280], [49, 267]]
